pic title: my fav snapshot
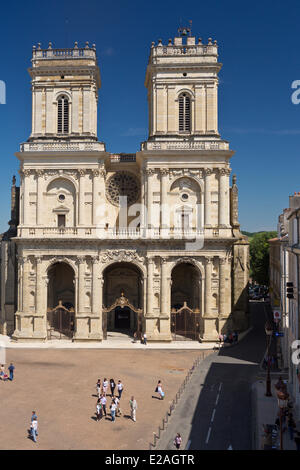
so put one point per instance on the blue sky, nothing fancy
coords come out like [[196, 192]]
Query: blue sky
[[259, 45]]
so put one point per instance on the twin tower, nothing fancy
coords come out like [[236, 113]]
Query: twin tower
[[142, 242]]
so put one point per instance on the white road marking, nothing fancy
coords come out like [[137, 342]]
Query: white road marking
[[218, 396], [220, 387], [213, 415], [208, 435], [188, 445]]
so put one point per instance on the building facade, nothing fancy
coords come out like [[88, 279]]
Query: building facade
[[146, 242]]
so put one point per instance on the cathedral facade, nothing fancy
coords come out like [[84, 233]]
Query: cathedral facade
[[146, 242]]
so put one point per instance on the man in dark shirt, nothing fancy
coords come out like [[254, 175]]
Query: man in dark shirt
[[11, 371]]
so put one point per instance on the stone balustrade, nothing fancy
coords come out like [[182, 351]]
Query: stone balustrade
[[173, 145], [75, 52], [109, 233], [62, 147]]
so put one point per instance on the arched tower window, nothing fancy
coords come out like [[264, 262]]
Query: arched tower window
[[63, 115], [184, 113]]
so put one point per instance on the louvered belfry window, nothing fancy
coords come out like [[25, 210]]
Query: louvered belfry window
[[184, 113], [63, 115]]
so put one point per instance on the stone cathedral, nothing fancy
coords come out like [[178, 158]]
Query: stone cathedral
[[145, 242]]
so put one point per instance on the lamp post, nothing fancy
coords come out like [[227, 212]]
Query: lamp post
[[282, 403], [269, 333]]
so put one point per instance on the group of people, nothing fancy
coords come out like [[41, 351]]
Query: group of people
[[4, 376], [115, 409], [229, 337], [287, 418], [143, 338]]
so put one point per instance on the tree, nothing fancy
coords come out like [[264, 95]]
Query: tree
[[259, 257]]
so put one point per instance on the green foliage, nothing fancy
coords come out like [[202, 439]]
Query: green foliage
[[259, 256]]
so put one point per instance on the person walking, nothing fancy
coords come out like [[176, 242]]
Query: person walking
[[98, 388], [103, 402], [159, 390], [105, 386], [177, 441], [133, 408], [11, 369], [98, 410], [120, 389], [34, 428], [145, 339], [113, 408], [118, 409], [112, 387]]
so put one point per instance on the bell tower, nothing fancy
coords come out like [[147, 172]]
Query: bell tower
[[182, 83], [65, 85]]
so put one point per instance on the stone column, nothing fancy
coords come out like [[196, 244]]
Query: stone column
[[26, 185], [96, 318], [96, 285], [143, 201], [24, 318], [81, 197], [20, 283], [222, 286], [164, 288], [95, 176], [164, 208], [150, 173], [223, 197], [81, 287], [39, 201], [208, 273], [164, 320], [150, 286], [207, 197], [26, 270], [40, 323], [209, 320], [39, 286]]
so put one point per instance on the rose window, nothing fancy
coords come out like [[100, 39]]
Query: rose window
[[122, 184]]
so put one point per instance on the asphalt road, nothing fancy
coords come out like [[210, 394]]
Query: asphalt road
[[214, 413]]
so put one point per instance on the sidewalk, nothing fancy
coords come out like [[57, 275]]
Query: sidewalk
[[114, 341], [265, 411]]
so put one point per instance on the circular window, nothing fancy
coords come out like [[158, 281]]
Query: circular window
[[184, 196], [122, 184], [61, 197]]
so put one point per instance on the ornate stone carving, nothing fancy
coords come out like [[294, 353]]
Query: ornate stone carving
[[121, 255], [207, 171]]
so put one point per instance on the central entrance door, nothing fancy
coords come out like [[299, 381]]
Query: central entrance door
[[122, 318], [123, 299]]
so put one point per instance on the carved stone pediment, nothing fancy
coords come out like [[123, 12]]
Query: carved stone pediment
[[121, 255]]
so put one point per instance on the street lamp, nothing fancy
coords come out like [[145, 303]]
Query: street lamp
[[269, 333], [282, 403]]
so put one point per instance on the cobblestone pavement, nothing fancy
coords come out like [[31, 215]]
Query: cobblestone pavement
[[60, 386]]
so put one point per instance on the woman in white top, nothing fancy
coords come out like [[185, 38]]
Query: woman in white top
[[120, 389], [104, 386], [113, 408]]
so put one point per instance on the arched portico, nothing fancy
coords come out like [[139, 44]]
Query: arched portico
[[60, 300], [123, 298], [186, 301]]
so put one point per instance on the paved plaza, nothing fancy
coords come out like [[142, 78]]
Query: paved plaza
[[60, 386]]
